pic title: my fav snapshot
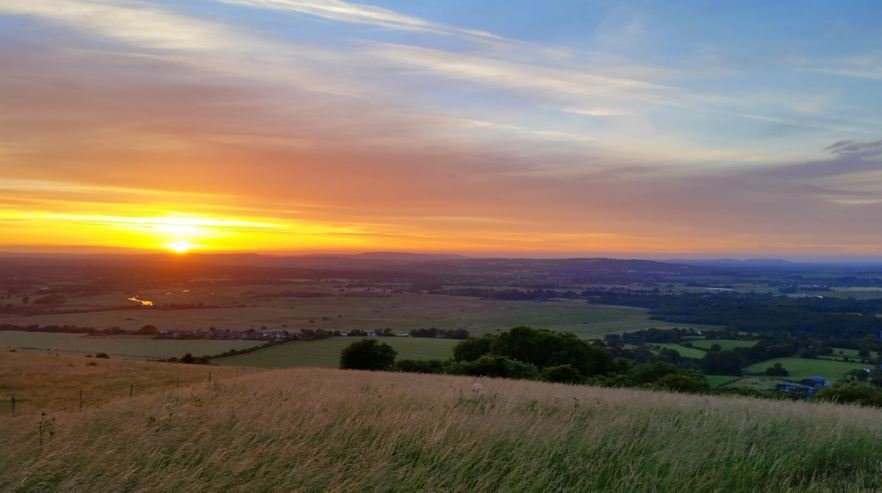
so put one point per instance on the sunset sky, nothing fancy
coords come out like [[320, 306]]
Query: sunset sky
[[508, 127]]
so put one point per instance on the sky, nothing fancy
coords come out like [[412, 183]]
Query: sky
[[509, 127]]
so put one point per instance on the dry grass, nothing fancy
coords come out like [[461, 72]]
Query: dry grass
[[42, 382], [329, 430]]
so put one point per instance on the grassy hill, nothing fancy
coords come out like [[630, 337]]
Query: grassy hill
[[329, 430]]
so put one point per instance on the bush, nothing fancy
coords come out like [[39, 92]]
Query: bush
[[420, 366], [682, 382], [562, 374], [851, 393], [491, 365], [102, 356], [368, 354]]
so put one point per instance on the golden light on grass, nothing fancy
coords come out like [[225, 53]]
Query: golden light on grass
[[331, 430]]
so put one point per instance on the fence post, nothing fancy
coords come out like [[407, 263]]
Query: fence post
[[12, 400], [131, 389], [209, 375]]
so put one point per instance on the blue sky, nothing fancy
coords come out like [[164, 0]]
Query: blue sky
[[695, 127]]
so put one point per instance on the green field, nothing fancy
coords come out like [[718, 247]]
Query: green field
[[135, 347], [326, 352], [724, 344], [754, 383], [800, 368], [686, 352], [720, 380], [244, 307]]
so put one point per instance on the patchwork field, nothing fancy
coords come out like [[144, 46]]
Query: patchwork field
[[331, 430], [136, 347], [337, 308], [326, 352]]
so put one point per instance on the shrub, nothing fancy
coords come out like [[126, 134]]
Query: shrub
[[420, 366], [492, 365], [682, 382], [368, 354], [851, 393], [102, 356], [562, 374]]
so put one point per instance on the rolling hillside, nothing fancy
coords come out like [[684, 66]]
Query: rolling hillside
[[329, 430]]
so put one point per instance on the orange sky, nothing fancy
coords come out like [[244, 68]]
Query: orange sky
[[153, 128]]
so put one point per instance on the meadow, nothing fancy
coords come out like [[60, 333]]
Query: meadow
[[136, 347], [42, 382], [339, 308], [325, 353], [315, 430]]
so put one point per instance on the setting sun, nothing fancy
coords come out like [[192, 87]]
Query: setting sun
[[180, 246]]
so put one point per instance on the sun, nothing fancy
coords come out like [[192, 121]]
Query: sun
[[179, 246]]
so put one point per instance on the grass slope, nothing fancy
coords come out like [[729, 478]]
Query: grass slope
[[53, 383], [328, 430], [325, 353]]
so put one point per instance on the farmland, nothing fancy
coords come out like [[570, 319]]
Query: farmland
[[128, 346], [331, 430], [326, 352], [331, 307]]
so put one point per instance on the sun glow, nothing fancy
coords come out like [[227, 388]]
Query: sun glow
[[180, 246]]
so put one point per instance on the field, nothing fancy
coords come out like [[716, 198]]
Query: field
[[330, 430], [339, 308], [686, 352], [800, 368], [326, 353], [136, 347], [53, 383], [725, 344]]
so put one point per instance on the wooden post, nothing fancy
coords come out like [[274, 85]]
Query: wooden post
[[209, 375], [12, 400], [131, 389]]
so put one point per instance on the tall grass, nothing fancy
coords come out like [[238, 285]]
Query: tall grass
[[327, 430]]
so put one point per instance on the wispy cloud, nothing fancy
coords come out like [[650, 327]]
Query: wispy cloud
[[339, 11]]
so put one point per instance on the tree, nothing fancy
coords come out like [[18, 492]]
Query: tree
[[472, 349], [777, 370], [543, 348], [722, 362], [368, 354]]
